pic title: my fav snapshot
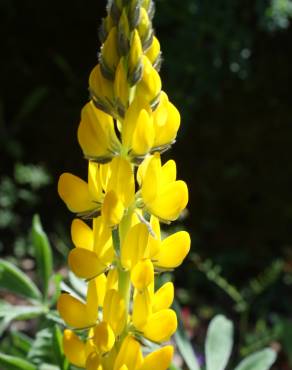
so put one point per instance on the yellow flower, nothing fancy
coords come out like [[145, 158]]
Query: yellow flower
[[86, 199], [96, 134], [130, 357], [171, 251], [82, 197], [162, 195], [77, 314], [75, 349], [94, 250], [166, 121]]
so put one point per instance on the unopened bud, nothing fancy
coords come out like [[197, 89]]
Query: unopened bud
[[148, 89], [153, 53], [123, 34], [144, 26], [106, 26], [121, 88], [101, 90], [134, 13], [143, 136], [109, 57], [134, 61], [115, 13]]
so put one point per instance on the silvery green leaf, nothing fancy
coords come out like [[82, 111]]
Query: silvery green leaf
[[261, 360], [219, 343]]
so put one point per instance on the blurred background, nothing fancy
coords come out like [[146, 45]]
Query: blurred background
[[227, 67]]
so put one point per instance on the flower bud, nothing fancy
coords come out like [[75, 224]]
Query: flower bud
[[101, 90], [123, 34], [134, 60], [153, 53], [148, 89], [144, 27], [106, 26], [109, 57], [121, 88], [143, 136]]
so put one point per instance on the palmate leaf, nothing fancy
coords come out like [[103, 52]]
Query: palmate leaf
[[43, 254], [41, 350], [15, 363], [15, 281], [261, 360], [9, 313], [219, 343]]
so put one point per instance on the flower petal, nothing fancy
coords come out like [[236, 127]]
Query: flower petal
[[85, 264], [170, 202], [143, 136], [173, 250], [134, 245], [74, 312], [96, 134], [158, 360], [112, 209], [142, 274], [74, 192], [74, 348], [151, 179], [114, 311], [141, 309], [163, 297], [103, 337], [130, 354], [81, 234], [160, 326]]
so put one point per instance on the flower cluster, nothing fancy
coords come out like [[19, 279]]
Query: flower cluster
[[118, 249]]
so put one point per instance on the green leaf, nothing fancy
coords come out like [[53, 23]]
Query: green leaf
[[261, 360], [43, 254], [183, 342], [42, 348], [15, 281], [219, 343], [58, 348], [20, 342], [9, 312], [15, 363]]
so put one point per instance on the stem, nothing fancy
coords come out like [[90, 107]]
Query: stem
[[124, 286]]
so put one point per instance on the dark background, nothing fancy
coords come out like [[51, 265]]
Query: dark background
[[227, 67]]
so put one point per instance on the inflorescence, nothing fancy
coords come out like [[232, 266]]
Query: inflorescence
[[127, 124]]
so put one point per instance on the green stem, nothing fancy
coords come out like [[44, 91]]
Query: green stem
[[124, 286]]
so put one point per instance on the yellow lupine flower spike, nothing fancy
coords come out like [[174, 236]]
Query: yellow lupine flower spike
[[125, 126]]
